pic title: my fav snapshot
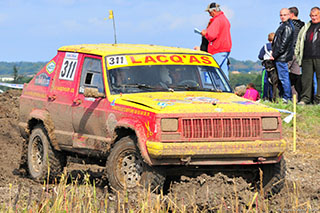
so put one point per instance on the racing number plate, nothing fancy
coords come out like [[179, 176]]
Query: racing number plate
[[69, 65], [117, 60]]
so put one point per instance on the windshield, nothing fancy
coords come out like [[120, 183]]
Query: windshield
[[152, 78]]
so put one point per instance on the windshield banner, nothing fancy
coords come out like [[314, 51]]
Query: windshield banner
[[159, 59]]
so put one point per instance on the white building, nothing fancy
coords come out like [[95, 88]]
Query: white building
[[6, 78]]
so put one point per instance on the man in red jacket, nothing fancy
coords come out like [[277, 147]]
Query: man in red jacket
[[219, 37]]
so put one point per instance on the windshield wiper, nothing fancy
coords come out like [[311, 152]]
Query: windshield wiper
[[139, 86], [187, 87], [195, 88]]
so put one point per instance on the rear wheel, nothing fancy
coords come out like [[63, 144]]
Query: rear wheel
[[273, 177], [41, 156], [126, 168]]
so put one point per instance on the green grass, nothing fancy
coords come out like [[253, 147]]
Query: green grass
[[308, 118]]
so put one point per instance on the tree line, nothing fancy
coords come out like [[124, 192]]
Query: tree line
[[250, 71], [24, 68]]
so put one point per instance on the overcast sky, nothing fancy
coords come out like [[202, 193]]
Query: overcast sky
[[32, 30]]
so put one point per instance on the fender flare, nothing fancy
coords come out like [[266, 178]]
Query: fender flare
[[139, 130], [44, 116]]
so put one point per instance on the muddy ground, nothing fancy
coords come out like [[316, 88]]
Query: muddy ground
[[302, 184]]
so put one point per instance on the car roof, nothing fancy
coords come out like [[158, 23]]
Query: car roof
[[115, 49]]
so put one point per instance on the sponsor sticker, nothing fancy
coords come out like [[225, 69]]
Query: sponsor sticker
[[113, 102], [159, 59], [69, 66], [72, 56], [218, 109], [51, 66], [243, 102], [89, 99], [172, 101], [164, 104], [201, 99], [42, 80]]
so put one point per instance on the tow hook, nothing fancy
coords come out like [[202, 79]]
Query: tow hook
[[261, 159], [186, 160]]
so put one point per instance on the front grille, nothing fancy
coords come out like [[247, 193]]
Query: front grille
[[221, 128]]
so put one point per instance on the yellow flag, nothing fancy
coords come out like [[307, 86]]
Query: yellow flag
[[110, 14]]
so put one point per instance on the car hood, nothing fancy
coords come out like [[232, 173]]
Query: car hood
[[190, 102]]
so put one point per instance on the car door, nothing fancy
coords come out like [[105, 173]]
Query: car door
[[89, 112], [61, 97]]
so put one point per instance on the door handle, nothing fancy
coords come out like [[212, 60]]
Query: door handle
[[52, 97], [77, 101]]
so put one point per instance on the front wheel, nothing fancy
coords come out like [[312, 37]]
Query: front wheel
[[126, 168], [42, 159], [273, 177]]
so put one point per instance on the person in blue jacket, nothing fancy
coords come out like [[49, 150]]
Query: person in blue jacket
[[265, 54]]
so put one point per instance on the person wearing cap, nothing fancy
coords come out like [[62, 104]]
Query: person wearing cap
[[219, 37]]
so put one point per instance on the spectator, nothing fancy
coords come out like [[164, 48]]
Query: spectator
[[294, 68], [307, 51], [251, 93], [219, 37], [265, 54], [204, 43], [315, 83], [240, 90], [282, 52]]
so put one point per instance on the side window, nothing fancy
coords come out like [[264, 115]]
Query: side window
[[205, 78], [213, 79], [91, 75], [219, 81]]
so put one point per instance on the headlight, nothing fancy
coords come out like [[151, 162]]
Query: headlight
[[269, 123], [169, 124]]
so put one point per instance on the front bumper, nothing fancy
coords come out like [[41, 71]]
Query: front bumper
[[241, 152]]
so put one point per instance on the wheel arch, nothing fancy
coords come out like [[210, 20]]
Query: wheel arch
[[126, 127], [43, 117]]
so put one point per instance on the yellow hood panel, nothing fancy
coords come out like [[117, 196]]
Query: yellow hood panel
[[190, 102]]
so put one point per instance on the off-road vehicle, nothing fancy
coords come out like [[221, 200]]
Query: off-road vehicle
[[144, 111]]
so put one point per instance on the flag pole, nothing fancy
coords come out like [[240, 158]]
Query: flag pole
[[111, 16]]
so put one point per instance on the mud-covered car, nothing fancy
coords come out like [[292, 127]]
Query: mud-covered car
[[144, 112]]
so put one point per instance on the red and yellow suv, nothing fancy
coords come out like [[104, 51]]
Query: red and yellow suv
[[142, 110]]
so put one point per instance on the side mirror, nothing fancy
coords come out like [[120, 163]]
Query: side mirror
[[93, 92]]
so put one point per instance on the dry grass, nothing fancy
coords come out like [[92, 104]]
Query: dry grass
[[74, 196]]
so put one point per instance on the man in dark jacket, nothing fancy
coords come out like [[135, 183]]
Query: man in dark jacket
[[282, 52], [307, 51], [294, 68]]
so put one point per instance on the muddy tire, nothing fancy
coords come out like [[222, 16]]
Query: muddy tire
[[273, 177], [126, 169], [41, 156]]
